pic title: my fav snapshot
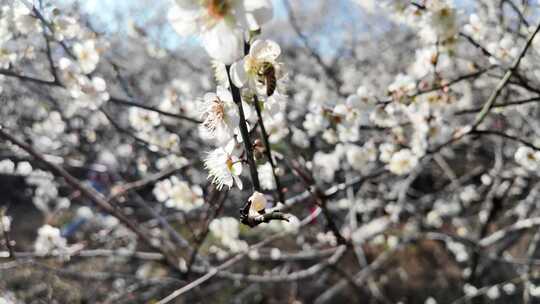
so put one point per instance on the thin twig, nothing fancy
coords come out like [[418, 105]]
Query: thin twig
[[268, 150]]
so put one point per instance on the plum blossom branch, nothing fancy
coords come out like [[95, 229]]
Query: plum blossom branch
[[268, 150], [248, 147], [90, 193]]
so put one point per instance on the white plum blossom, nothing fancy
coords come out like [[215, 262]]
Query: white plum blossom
[[528, 158], [50, 241], [534, 290], [299, 138], [359, 106], [23, 19], [220, 23], [386, 152], [65, 27], [476, 28], [87, 92], [24, 168], [5, 221], [219, 114], [178, 194], [441, 19], [258, 203], [326, 164], [266, 176], [509, 288], [402, 86], [430, 300], [141, 119], [87, 55], [227, 231], [359, 157], [504, 50], [402, 162], [252, 70], [276, 126], [46, 196], [224, 167], [161, 138], [493, 292], [7, 166]]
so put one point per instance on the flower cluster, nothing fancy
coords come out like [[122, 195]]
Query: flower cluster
[[227, 231], [49, 241], [178, 194]]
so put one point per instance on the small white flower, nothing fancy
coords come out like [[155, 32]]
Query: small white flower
[[65, 27], [430, 300], [528, 158], [227, 231], [87, 55], [509, 288], [258, 203], [402, 162], [275, 253], [141, 119], [178, 194], [327, 164], [6, 223], [470, 290], [266, 176], [387, 150], [401, 87], [24, 168], [24, 21], [88, 93], [493, 292], [534, 290], [220, 23], [299, 138], [224, 167], [85, 212], [219, 114], [475, 27], [359, 157], [50, 241], [7, 166], [252, 70]]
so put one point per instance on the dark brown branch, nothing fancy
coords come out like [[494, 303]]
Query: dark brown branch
[[121, 101], [505, 135], [501, 105]]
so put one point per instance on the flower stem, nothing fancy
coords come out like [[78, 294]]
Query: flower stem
[[268, 150], [245, 134]]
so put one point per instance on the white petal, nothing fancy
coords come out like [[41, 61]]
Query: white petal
[[187, 4], [265, 50], [224, 43], [224, 94], [209, 97], [258, 12], [238, 73], [247, 110], [230, 147], [258, 201], [238, 182], [237, 168], [184, 22]]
